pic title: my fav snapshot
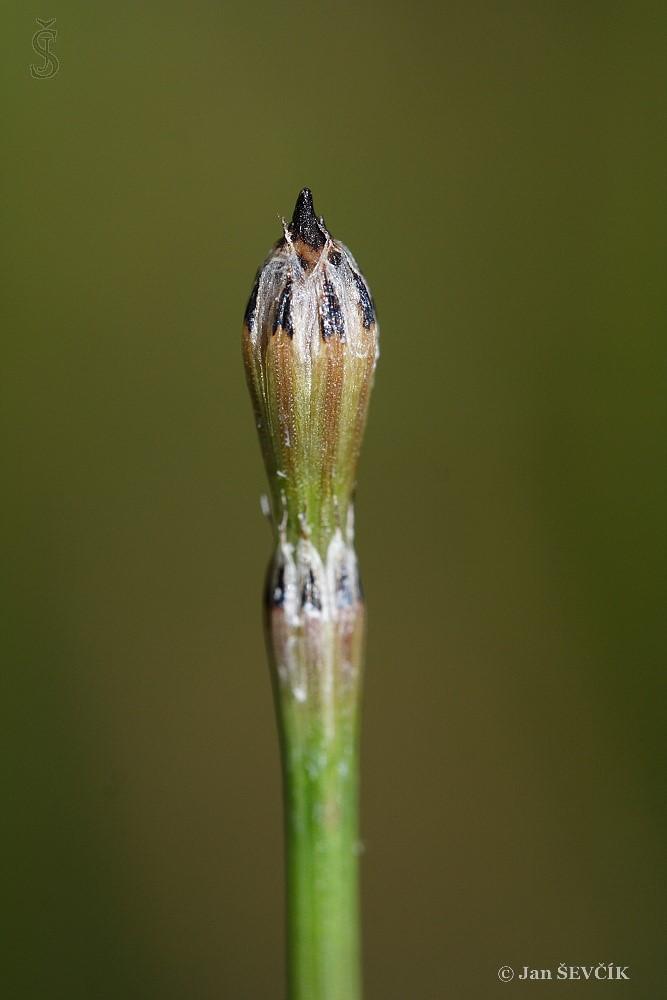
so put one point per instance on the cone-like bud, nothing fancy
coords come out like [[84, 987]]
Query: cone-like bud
[[310, 342]]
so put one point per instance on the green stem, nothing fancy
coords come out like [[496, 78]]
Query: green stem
[[321, 846], [317, 682]]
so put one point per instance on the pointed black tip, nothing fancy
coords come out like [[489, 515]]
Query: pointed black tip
[[304, 225], [304, 208]]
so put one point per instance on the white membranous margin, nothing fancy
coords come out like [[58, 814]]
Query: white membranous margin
[[331, 585]]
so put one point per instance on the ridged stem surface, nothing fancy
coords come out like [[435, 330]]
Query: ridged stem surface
[[317, 685]]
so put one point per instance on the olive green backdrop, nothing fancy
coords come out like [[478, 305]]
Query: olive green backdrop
[[498, 170]]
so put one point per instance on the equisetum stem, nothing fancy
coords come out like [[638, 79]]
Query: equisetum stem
[[321, 852], [317, 672], [310, 346], [322, 923]]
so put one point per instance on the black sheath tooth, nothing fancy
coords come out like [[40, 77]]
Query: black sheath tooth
[[310, 593], [344, 590], [278, 593], [331, 315], [365, 300], [251, 309], [284, 311], [274, 594]]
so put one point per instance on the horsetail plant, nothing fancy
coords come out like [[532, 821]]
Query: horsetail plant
[[310, 345]]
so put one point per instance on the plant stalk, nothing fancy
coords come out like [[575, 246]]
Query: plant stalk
[[317, 704], [310, 346]]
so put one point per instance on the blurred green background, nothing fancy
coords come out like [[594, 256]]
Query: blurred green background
[[499, 172]]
